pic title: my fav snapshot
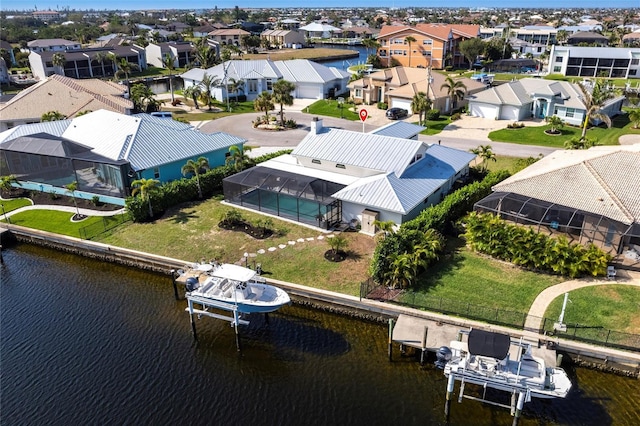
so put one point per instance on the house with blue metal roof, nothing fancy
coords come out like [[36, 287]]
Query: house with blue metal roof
[[105, 151], [337, 176]]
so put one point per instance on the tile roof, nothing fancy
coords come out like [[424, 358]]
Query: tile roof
[[67, 96], [602, 180]]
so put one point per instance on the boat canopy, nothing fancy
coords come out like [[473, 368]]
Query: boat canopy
[[233, 272], [487, 343]]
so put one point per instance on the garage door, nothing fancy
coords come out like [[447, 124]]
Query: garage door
[[482, 110], [510, 113], [309, 91], [401, 103]]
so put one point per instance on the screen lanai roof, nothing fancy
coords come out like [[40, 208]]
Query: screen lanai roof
[[602, 180]]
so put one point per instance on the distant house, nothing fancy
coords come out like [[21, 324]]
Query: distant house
[[436, 45], [86, 63], [397, 86], [283, 38], [104, 151], [228, 36], [203, 30], [338, 176], [181, 52], [46, 15], [587, 38], [312, 80], [53, 45], [320, 30], [7, 46], [608, 62], [535, 97], [589, 196], [66, 95]]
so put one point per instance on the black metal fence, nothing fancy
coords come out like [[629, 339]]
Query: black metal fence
[[589, 334], [107, 223]]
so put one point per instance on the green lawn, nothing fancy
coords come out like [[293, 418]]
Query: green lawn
[[14, 203], [236, 109], [52, 221], [435, 126], [468, 277], [330, 108], [534, 135], [612, 307]]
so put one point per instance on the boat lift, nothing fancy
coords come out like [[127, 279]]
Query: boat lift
[[206, 303]]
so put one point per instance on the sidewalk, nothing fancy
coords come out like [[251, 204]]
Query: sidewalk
[[544, 299], [68, 209]]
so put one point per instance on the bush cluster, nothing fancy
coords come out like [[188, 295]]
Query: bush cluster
[[433, 114], [523, 246], [383, 105], [515, 125]]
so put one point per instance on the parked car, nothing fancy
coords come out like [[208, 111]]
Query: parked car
[[397, 113]]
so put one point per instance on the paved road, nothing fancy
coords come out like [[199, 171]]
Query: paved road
[[240, 125]]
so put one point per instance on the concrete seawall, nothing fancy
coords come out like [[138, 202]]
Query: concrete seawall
[[603, 358]]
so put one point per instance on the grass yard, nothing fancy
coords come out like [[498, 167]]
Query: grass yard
[[435, 126], [204, 114], [312, 54], [471, 278], [613, 307], [53, 221], [330, 108], [535, 135], [190, 232], [13, 204]]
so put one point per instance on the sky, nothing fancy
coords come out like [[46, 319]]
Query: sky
[[202, 4]]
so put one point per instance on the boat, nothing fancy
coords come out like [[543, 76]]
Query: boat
[[486, 359], [233, 286]]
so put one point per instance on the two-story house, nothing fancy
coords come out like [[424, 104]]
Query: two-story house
[[435, 45], [228, 36]]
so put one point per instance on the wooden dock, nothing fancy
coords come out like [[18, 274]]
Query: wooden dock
[[428, 336]]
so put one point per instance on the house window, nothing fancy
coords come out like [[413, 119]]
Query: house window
[[398, 52], [558, 58], [269, 85], [358, 93], [156, 173], [635, 61], [427, 42], [383, 53], [425, 53], [253, 86], [398, 41], [315, 161], [340, 166], [570, 112], [557, 69]]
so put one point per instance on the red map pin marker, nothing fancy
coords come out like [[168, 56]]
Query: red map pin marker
[[363, 114]]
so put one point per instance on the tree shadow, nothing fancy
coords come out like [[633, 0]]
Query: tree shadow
[[183, 217], [450, 261]]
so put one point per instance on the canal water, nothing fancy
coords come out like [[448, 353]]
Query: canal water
[[343, 64], [84, 342]]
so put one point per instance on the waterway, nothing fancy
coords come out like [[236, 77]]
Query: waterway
[[343, 64], [84, 342]]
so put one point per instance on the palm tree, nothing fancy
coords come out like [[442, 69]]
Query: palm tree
[[125, 68], [484, 152], [409, 40], [456, 90], [101, 58], [386, 227], [72, 188], [555, 122], [58, 60], [238, 157], [205, 55], [195, 168], [168, 60], [634, 117], [370, 43], [338, 243], [264, 102], [282, 95], [562, 36], [194, 92], [207, 85], [420, 104], [594, 101], [6, 182], [53, 116], [235, 86], [145, 187]]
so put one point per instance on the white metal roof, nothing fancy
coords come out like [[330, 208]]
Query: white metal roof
[[398, 129]]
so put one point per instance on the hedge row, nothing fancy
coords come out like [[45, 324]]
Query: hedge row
[[440, 217], [530, 249], [183, 190]]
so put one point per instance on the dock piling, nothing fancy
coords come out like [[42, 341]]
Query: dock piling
[[390, 338], [424, 345], [175, 286], [192, 318], [450, 386], [1, 258], [516, 418], [236, 320]]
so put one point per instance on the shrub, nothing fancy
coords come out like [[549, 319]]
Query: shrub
[[433, 114], [95, 200], [383, 105], [290, 124], [53, 195], [523, 246], [455, 116], [515, 125]]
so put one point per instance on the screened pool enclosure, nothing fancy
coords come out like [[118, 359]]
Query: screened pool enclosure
[[296, 197], [578, 225]]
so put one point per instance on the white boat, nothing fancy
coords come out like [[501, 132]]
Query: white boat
[[485, 359], [233, 285]]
